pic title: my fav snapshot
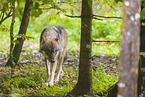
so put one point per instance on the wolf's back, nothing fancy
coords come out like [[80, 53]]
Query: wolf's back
[[54, 32]]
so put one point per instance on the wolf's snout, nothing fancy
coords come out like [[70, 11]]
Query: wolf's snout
[[52, 61]]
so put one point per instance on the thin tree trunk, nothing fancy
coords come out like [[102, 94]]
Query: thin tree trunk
[[141, 75], [11, 47], [22, 31], [129, 51], [84, 84], [11, 33]]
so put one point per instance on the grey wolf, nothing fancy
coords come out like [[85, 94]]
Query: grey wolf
[[53, 45]]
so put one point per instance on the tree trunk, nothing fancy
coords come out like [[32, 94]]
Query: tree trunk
[[11, 32], [11, 46], [129, 51], [112, 91], [84, 84], [22, 31], [141, 75]]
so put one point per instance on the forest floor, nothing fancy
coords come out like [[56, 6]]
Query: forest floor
[[31, 74]]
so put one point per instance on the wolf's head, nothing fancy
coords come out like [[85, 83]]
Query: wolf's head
[[50, 49]]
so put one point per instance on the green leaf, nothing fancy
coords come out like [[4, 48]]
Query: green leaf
[[143, 13], [46, 1], [16, 42], [143, 4], [72, 12], [36, 6], [69, 1], [36, 12]]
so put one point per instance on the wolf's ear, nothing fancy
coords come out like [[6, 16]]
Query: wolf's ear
[[44, 39], [56, 39]]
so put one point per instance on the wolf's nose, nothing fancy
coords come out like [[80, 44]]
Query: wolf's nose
[[52, 61]]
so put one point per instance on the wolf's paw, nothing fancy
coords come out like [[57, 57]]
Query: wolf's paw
[[62, 73], [49, 84]]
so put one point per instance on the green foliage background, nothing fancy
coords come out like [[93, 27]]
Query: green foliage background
[[48, 13], [108, 29]]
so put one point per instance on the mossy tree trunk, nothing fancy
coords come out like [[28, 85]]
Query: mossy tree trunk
[[129, 50]]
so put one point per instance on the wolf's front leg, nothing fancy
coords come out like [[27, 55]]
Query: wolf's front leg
[[59, 72], [47, 64], [61, 58], [53, 69]]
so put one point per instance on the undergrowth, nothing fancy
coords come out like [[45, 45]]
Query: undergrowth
[[29, 76]]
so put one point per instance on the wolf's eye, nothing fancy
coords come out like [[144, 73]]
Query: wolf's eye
[[53, 51], [56, 50]]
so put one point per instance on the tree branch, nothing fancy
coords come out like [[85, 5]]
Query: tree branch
[[110, 5], [97, 18], [7, 16], [73, 16], [94, 17], [61, 2], [107, 17], [2, 15], [104, 41]]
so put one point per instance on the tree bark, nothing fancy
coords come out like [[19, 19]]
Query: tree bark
[[141, 75], [113, 90], [129, 51], [84, 84], [11, 46], [23, 27], [11, 32]]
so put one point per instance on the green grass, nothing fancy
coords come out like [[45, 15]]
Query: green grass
[[29, 78]]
